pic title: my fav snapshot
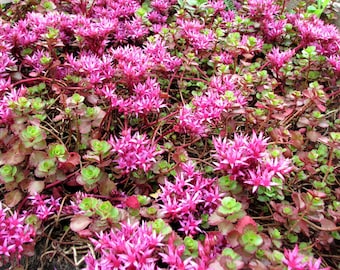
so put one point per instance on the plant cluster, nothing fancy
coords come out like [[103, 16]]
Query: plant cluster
[[169, 134]]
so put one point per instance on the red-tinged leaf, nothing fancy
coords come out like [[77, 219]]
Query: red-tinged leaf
[[36, 157], [132, 202], [296, 139], [3, 133], [225, 227], [79, 223], [279, 218], [304, 227], [321, 107], [85, 233], [319, 194], [299, 203], [29, 249], [327, 224], [216, 265], [35, 187], [13, 198], [215, 219], [233, 238], [257, 265], [106, 187], [245, 222], [180, 155], [71, 163], [15, 155], [105, 163], [313, 135], [85, 126]]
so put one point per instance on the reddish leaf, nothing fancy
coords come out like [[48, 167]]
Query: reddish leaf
[[15, 155], [313, 135], [71, 163], [244, 222], [215, 219], [304, 227], [327, 224], [35, 187], [79, 223], [13, 198], [297, 198]]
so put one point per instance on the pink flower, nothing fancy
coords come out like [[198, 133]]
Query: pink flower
[[315, 265], [263, 9], [130, 246], [247, 160], [293, 259], [277, 59], [14, 234], [44, 207], [133, 152], [334, 60]]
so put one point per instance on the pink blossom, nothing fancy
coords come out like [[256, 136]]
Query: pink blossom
[[334, 60], [14, 234], [293, 259], [133, 152], [263, 9], [131, 245], [315, 265], [277, 59], [247, 160]]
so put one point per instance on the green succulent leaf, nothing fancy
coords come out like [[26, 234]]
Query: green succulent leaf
[[7, 173], [89, 204], [229, 206], [31, 136], [58, 151], [90, 174]]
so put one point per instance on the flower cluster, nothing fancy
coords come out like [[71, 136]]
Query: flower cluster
[[44, 207], [132, 246], [146, 98], [189, 197], [314, 32], [278, 59], [133, 151], [14, 235], [207, 109], [247, 160], [296, 261], [197, 35]]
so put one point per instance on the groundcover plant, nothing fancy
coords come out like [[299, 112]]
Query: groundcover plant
[[169, 134]]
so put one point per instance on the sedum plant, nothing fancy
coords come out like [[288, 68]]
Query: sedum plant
[[169, 134]]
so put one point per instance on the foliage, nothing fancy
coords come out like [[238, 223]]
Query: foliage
[[167, 134]]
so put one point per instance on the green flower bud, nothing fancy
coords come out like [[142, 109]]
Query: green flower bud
[[45, 60], [160, 227], [77, 99], [190, 243]]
